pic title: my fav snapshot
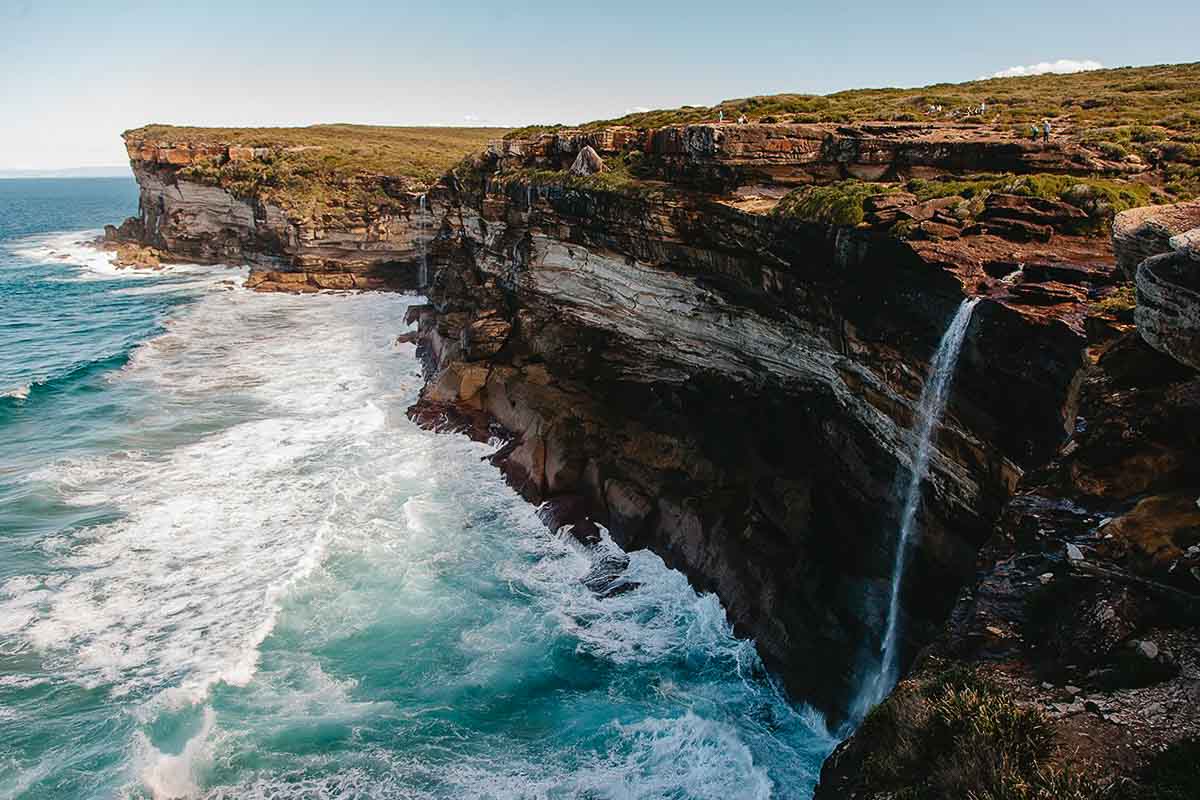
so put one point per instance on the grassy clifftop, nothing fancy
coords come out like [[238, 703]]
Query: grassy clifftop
[[324, 171], [1166, 97], [420, 153]]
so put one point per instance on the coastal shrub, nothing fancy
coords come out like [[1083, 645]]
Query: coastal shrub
[[323, 169], [1100, 198], [1120, 301], [1112, 150], [836, 204], [956, 733], [1095, 100]]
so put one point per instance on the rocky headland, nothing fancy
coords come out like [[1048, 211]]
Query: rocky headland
[[709, 339]]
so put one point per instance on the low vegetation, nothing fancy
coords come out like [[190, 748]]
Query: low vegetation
[[328, 167], [1151, 114], [1166, 97], [842, 203], [960, 735], [836, 204], [627, 173], [1120, 302]]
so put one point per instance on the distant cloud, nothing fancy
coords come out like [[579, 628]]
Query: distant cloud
[[637, 110], [1062, 65], [470, 118]]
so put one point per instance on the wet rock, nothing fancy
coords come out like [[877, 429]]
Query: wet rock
[[484, 337], [136, 256], [606, 575]]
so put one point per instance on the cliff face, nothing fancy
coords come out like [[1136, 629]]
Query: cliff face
[[1081, 626], [734, 389], [710, 340], [369, 237]]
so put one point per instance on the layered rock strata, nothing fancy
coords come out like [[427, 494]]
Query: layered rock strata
[[664, 354], [734, 389], [1085, 612], [727, 155], [365, 245]]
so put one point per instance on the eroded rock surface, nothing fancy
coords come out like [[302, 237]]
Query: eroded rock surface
[[734, 391], [1084, 617], [362, 245]]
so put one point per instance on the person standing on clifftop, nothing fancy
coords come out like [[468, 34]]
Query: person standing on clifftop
[[1046, 129]]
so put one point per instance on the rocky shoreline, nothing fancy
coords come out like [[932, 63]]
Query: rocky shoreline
[[679, 343]]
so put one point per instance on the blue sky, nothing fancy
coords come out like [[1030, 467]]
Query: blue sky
[[73, 75]]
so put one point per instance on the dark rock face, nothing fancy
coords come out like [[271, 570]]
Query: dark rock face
[[1168, 310], [735, 392], [365, 248], [1086, 605]]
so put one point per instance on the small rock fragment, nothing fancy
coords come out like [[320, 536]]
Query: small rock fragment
[[1074, 553], [1147, 649]]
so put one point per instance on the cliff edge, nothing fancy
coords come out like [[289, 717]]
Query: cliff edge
[[710, 339]]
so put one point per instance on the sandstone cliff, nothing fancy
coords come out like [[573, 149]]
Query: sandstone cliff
[[731, 384], [710, 339], [1077, 642], [306, 216]]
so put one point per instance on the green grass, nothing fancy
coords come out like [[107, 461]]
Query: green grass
[[421, 153], [1121, 301], [957, 734], [626, 173], [842, 203], [1100, 198], [1166, 96], [836, 204], [341, 170]]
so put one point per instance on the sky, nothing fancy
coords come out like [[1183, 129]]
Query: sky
[[74, 74]]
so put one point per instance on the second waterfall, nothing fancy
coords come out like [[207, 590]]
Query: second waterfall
[[934, 397]]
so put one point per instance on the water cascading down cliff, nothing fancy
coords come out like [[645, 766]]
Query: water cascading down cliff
[[932, 404]]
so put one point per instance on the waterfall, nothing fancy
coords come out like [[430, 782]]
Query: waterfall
[[423, 277], [934, 396]]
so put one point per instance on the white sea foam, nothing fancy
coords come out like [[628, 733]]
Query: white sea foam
[[686, 756], [181, 591], [18, 392], [78, 249], [315, 511], [174, 775]]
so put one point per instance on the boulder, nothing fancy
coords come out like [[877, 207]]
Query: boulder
[[1168, 307], [1187, 243], [1142, 232], [1018, 230], [923, 211], [588, 162], [136, 256], [1058, 215], [889, 201]]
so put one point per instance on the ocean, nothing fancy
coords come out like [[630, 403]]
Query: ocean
[[230, 566]]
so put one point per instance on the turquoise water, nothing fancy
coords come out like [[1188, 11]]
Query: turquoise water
[[231, 567]]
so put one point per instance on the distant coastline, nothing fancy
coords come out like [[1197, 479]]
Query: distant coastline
[[116, 171]]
